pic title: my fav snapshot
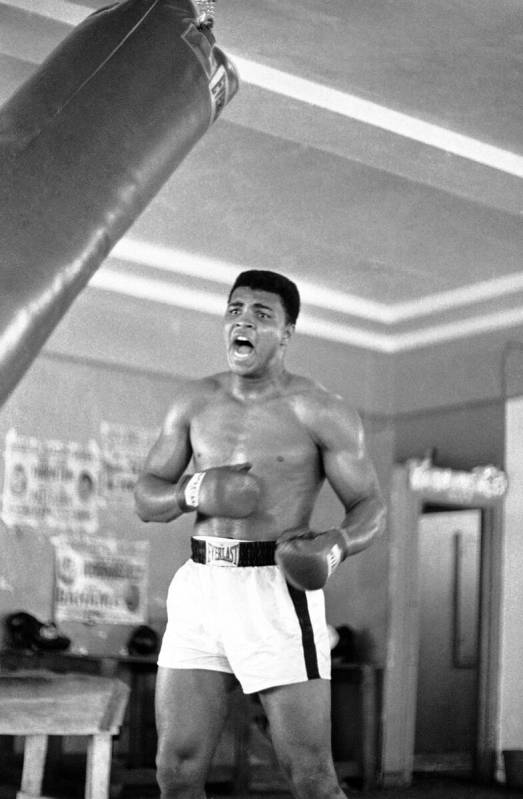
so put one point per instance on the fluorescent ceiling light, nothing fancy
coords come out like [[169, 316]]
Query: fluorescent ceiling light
[[379, 116]]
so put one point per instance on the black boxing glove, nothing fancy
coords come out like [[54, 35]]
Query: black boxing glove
[[228, 491], [308, 559]]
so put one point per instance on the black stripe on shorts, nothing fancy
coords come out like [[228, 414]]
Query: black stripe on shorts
[[299, 600]]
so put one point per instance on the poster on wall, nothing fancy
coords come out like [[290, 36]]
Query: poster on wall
[[101, 580], [50, 483], [124, 449]]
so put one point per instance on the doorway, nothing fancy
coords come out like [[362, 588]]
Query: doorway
[[449, 547], [400, 684]]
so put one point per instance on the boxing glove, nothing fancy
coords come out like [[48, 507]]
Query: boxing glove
[[227, 491], [308, 559]]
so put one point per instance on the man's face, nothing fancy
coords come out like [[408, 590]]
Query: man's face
[[256, 330]]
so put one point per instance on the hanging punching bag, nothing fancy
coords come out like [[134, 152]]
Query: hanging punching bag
[[85, 144]]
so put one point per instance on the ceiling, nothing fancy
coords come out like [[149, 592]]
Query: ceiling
[[374, 153]]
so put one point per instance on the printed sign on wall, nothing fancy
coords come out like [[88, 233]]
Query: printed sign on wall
[[50, 483], [124, 449], [101, 580]]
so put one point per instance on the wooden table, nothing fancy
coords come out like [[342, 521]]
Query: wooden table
[[39, 703], [355, 712], [133, 670]]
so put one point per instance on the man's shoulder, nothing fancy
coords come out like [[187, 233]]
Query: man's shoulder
[[195, 392], [302, 384], [312, 392], [210, 384], [321, 405]]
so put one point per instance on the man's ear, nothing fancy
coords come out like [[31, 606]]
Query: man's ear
[[287, 333]]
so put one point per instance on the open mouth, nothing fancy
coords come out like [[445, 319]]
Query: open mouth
[[242, 347]]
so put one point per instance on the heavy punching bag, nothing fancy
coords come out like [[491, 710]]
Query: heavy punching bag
[[85, 144]]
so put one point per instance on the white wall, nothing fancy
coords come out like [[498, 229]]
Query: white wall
[[511, 688]]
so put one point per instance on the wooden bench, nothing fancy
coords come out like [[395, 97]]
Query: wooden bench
[[36, 704]]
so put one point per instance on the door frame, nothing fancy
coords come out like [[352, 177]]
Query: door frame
[[402, 651]]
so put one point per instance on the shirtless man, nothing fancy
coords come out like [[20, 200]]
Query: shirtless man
[[248, 606]]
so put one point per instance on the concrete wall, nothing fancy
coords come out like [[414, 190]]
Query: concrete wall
[[464, 436], [453, 374]]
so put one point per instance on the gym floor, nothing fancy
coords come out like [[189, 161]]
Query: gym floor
[[69, 783], [424, 786]]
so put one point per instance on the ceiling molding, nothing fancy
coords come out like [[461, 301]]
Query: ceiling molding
[[202, 301], [484, 291], [161, 291], [473, 326], [201, 267]]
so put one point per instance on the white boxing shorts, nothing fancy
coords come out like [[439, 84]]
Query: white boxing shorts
[[243, 619]]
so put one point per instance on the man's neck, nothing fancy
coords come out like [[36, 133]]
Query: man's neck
[[255, 387]]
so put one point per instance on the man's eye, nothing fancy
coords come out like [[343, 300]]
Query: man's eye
[[233, 311]]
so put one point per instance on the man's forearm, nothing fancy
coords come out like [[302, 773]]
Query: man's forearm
[[308, 560], [364, 522], [228, 491], [156, 499]]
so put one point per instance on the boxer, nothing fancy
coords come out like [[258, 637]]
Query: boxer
[[247, 451]]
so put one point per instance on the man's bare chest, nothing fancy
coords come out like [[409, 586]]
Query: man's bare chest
[[261, 432]]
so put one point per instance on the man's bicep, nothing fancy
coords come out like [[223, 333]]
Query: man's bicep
[[170, 454], [351, 475], [346, 462]]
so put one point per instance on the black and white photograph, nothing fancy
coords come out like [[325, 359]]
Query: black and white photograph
[[261, 399]]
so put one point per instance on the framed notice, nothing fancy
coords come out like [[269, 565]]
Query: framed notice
[[101, 580], [50, 483]]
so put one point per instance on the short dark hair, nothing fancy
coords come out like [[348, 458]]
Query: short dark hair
[[265, 280]]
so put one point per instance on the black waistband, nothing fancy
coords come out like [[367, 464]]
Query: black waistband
[[233, 553]]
